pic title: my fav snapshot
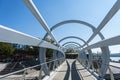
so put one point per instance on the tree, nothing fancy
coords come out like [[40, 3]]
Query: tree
[[6, 49], [70, 50], [50, 40], [49, 51]]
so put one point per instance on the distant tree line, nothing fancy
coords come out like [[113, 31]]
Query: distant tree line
[[17, 51], [8, 50], [70, 50]]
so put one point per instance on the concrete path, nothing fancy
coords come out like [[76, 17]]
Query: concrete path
[[68, 71], [84, 73], [113, 69], [3, 65], [71, 70]]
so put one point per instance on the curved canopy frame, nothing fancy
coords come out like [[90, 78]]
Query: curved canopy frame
[[73, 43], [110, 14], [74, 21], [73, 46], [68, 45], [72, 37]]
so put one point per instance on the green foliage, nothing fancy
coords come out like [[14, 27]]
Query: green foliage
[[6, 48], [49, 53], [28, 50], [50, 40], [70, 50]]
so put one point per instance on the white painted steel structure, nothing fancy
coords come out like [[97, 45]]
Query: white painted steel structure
[[12, 36], [72, 42]]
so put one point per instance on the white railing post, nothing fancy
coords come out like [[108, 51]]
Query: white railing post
[[24, 74], [54, 58], [111, 74], [40, 74], [42, 56], [105, 60], [90, 58]]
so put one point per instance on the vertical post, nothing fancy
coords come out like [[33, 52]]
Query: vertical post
[[49, 67], [111, 74], [24, 74], [90, 58], [54, 58], [84, 58], [60, 56], [40, 74], [42, 56], [81, 58], [105, 60]]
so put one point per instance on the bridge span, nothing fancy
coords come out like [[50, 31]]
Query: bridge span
[[85, 65]]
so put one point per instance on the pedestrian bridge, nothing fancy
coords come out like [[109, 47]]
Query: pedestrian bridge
[[84, 67]]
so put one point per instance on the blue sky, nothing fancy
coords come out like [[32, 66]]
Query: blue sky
[[15, 14]]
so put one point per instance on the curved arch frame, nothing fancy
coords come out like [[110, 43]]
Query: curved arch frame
[[71, 42], [73, 37], [75, 46], [73, 21], [69, 45], [80, 22]]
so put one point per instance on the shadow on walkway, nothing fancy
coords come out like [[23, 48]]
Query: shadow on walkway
[[74, 73], [68, 71], [73, 70]]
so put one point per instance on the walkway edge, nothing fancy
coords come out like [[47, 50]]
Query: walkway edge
[[53, 73]]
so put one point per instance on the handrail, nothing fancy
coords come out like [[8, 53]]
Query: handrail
[[106, 19], [108, 68], [3, 76], [110, 65], [115, 66], [93, 73], [36, 13], [13, 36], [106, 42]]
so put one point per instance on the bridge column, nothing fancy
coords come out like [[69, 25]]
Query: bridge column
[[60, 55], [54, 58], [83, 58], [105, 60], [90, 58], [42, 57]]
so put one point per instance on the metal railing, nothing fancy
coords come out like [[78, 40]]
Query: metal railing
[[36, 68], [96, 72]]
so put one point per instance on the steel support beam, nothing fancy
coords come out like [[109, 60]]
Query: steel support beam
[[105, 61], [39, 17], [73, 37], [107, 18], [54, 58], [90, 58], [82, 58], [60, 55], [42, 57], [71, 45], [74, 21], [71, 42], [12, 36], [107, 42]]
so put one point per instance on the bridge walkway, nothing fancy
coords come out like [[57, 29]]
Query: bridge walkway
[[71, 70]]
